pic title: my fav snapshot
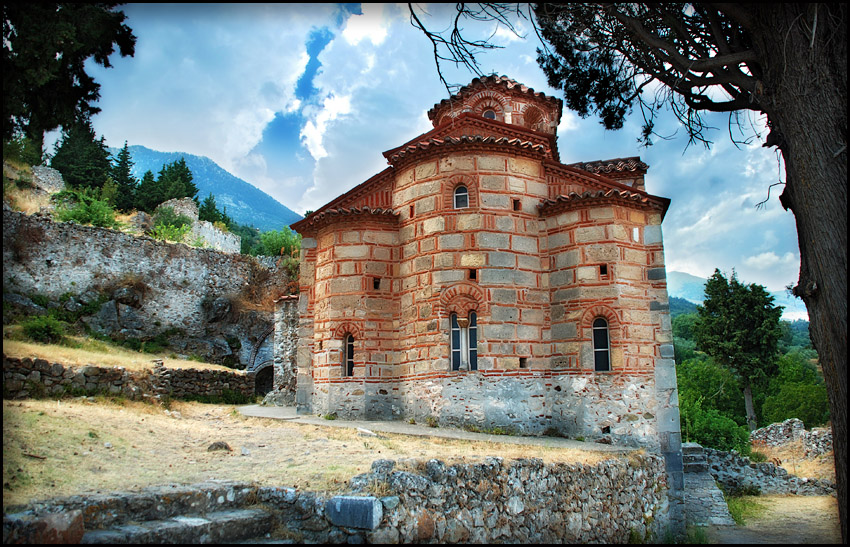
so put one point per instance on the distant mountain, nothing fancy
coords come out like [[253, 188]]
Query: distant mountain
[[692, 288], [245, 203]]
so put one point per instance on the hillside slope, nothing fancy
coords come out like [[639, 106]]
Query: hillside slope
[[245, 203]]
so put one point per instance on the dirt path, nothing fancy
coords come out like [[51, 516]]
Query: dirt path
[[788, 519]]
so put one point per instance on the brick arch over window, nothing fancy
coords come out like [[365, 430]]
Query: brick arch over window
[[462, 298], [489, 100], [342, 329], [452, 183], [534, 118], [609, 315]]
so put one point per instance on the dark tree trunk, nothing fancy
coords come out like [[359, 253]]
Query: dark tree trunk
[[752, 422], [805, 97]]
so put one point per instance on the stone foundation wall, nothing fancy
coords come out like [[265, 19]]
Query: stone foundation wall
[[618, 408], [26, 377], [527, 501]]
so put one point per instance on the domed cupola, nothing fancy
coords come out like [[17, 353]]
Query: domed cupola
[[502, 99]]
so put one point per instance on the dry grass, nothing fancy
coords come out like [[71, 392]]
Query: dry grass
[[58, 448], [97, 353], [25, 200], [792, 457]]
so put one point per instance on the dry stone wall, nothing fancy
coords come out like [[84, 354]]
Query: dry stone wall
[[738, 474], [142, 288], [27, 377], [815, 442], [498, 501]]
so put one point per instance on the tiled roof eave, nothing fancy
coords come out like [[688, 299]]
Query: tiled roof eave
[[323, 218], [448, 142], [574, 199]]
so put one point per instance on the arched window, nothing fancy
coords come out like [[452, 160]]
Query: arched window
[[461, 197], [348, 355], [464, 342], [601, 346], [490, 114]]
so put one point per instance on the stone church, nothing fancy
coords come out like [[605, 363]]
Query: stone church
[[478, 280]]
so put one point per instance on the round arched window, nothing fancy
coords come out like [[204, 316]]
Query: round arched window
[[490, 114], [461, 197]]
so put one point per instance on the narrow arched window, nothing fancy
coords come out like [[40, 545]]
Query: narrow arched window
[[464, 342], [461, 200], [348, 355], [601, 346]]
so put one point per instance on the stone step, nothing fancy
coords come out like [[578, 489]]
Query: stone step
[[215, 527], [696, 468]]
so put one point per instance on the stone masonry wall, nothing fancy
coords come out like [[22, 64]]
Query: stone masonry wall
[[148, 287], [492, 501], [26, 377], [815, 442]]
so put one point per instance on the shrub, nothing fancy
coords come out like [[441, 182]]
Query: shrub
[[168, 232], [166, 216], [82, 208], [46, 329], [710, 428]]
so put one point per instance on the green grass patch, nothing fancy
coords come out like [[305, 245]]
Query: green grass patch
[[744, 507]]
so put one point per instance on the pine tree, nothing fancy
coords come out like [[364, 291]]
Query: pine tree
[[149, 193], [122, 174], [738, 326], [82, 159], [176, 180]]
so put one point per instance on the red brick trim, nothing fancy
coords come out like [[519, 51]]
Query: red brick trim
[[463, 297], [342, 329], [614, 325], [449, 186]]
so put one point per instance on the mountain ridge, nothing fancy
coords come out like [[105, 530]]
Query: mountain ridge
[[244, 203], [691, 288]]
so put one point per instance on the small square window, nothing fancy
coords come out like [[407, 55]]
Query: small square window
[[376, 283], [523, 362], [517, 204], [603, 270], [473, 274]]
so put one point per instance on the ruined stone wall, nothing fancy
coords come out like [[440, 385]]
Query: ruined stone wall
[[147, 287], [27, 377], [492, 501]]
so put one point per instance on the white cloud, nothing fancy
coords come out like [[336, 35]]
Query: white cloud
[[372, 25]]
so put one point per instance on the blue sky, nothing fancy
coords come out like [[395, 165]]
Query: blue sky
[[301, 100]]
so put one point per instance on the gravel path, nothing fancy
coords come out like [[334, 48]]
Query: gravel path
[[788, 520]]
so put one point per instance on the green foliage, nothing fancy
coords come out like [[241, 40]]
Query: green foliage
[[167, 216], [806, 402], [738, 325], [45, 51], [126, 184], [82, 159], [710, 428], [714, 386], [22, 150], [82, 207], [208, 210], [174, 182], [169, 232], [45, 329], [683, 325], [680, 306], [280, 242]]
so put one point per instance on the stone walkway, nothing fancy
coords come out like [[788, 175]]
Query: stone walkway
[[419, 430], [704, 502]]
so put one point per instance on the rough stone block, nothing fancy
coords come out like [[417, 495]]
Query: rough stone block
[[355, 512], [652, 235]]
